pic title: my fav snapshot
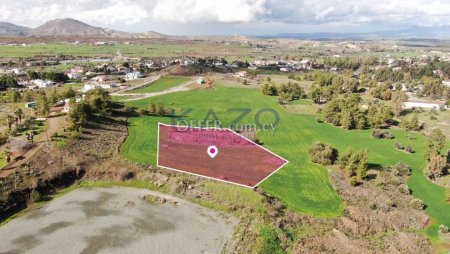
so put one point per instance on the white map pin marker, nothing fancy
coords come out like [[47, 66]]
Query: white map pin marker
[[212, 151]]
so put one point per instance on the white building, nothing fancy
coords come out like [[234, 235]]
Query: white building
[[392, 62], [94, 85], [133, 75], [66, 106], [422, 104], [74, 75], [42, 83], [241, 74]]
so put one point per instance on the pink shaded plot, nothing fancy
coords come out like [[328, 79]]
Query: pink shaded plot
[[238, 160]]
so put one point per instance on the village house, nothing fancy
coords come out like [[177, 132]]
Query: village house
[[133, 75], [66, 107], [392, 62], [241, 74], [304, 64], [412, 104], [94, 85], [101, 81], [42, 83], [74, 75], [285, 69], [77, 69]]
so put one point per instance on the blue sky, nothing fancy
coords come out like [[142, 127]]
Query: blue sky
[[255, 17]]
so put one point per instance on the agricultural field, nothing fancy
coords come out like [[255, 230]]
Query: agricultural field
[[138, 50], [159, 85], [301, 185]]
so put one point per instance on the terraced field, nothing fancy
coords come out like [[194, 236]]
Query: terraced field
[[301, 185]]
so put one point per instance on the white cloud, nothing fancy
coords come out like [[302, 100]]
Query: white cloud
[[144, 14], [223, 11]]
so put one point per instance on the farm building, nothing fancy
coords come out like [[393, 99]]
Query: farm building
[[423, 105], [32, 104], [133, 75]]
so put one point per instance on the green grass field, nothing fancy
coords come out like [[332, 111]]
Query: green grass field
[[301, 185], [161, 84]]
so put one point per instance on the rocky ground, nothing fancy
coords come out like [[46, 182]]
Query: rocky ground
[[377, 218]]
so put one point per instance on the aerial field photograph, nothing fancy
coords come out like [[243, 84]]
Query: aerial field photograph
[[239, 126]]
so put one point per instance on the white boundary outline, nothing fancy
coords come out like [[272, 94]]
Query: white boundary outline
[[212, 178]]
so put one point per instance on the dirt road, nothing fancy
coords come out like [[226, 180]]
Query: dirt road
[[54, 124], [141, 82], [140, 96]]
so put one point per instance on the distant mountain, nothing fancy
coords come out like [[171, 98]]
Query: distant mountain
[[8, 29], [72, 27], [442, 32]]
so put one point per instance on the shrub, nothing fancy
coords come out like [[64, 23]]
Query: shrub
[[268, 241], [416, 204], [378, 134], [323, 154], [144, 112], [3, 138], [353, 181], [401, 169], [437, 167], [125, 174], [399, 146], [35, 196], [75, 134], [443, 229], [409, 149], [403, 189]]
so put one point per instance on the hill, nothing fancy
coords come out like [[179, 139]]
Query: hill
[[72, 27], [8, 29]]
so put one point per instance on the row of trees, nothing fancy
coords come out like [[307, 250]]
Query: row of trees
[[286, 92], [438, 164], [354, 164], [58, 77], [7, 81], [95, 101], [345, 112]]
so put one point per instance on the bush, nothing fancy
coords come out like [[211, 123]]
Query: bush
[[443, 229], [144, 112], [378, 134], [403, 189], [75, 134], [35, 196], [416, 204], [353, 181], [3, 138], [399, 146], [437, 167], [409, 149], [125, 174], [268, 241], [401, 169], [323, 154]]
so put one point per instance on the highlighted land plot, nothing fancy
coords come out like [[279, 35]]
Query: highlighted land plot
[[215, 153]]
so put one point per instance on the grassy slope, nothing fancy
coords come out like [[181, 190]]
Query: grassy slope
[[300, 184], [160, 85]]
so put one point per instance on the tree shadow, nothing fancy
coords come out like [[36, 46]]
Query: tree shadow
[[374, 166]]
